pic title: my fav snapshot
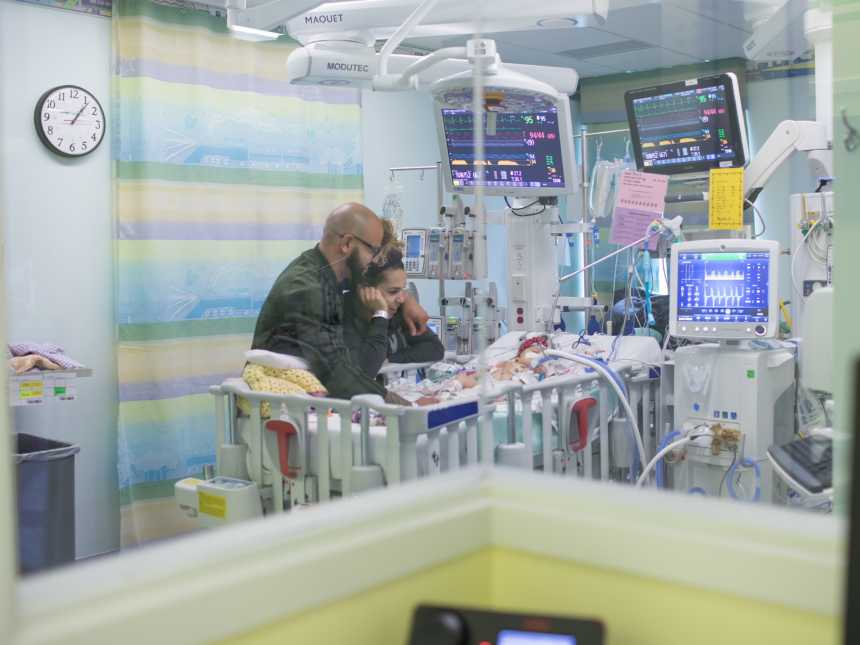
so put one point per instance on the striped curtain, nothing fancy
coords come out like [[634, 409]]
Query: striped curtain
[[223, 174]]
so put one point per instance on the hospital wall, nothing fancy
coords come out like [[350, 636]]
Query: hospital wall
[[59, 246], [634, 609]]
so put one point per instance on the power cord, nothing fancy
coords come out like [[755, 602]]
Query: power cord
[[516, 211]]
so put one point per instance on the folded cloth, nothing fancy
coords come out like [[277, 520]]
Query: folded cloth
[[21, 364], [50, 351], [278, 381]]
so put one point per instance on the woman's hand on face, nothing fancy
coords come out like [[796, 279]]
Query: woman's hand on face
[[372, 298]]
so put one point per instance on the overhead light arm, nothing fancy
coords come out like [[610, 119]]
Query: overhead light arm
[[409, 77], [402, 32]]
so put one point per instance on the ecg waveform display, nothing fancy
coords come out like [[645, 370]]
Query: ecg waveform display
[[686, 126], [524, 152], [723, 287]]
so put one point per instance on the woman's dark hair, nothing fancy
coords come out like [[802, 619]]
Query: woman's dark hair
[[392, 259]]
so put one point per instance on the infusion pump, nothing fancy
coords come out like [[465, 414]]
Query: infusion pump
[[439, 253]]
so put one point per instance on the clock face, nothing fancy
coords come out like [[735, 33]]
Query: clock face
[[69, 120]]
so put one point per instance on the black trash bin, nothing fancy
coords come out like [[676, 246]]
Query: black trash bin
[[46, 502]]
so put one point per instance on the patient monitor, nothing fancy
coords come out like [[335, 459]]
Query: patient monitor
[[724, 290], [530, 152], [688, 126]]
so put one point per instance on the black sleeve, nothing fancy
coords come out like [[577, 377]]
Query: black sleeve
[[368, 347], [424, 348]]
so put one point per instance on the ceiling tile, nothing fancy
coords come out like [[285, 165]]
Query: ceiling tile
[[736, 13], [642, 60], [680, 31], [677, 30], [528, 56], [556, 40]]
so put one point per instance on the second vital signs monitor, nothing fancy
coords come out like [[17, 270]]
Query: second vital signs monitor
[[688, 126]]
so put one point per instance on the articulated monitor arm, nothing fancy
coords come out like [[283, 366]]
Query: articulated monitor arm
[[787, 137]]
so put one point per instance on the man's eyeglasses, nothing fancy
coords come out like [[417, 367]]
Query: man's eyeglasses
[[375, 250]]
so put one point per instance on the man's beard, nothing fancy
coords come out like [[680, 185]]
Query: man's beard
[[356, 271]]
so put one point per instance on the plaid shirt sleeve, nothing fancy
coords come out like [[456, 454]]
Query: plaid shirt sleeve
[[310, 322]]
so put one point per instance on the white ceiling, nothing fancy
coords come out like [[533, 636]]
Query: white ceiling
[[638, 35]]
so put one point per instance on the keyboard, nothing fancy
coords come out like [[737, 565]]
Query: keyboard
[[808, 461]]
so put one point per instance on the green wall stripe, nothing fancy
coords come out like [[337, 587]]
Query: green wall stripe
[[186, 329], [137, 170], [147, 491]]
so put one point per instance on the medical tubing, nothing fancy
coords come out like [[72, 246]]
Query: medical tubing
[[605, 373], [796, 254], [660, 454], [659, 475], [746, 463]]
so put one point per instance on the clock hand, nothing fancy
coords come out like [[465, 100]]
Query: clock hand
[[78, 114]]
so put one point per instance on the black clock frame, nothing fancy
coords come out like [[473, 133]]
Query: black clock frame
[[37, 121]]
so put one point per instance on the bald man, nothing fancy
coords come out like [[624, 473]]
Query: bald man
[[303, 313]]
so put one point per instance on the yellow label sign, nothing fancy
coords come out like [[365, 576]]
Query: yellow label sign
[[31, 389], [214, 505], [726, 199]]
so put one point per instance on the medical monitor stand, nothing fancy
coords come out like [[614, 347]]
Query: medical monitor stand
[[852, 599]]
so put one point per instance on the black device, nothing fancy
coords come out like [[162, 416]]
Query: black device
[[807, 461], [687, 126], [852, 598], [433, 625]]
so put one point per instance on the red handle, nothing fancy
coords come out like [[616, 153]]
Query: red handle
[[284, 430], [580, 411]]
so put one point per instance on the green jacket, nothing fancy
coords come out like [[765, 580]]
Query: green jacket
[[303, 316]]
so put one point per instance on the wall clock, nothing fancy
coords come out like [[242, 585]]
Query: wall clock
[[69, 121]]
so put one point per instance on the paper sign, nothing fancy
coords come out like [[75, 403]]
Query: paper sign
[[29, 392], [726, 199], [38, 388], [61, 387], [641, 199]]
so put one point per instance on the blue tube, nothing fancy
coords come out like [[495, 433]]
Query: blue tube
[[746, 463], [697, 490], [669, 438]]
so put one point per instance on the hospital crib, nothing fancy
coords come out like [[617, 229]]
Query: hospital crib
[[314, 449]]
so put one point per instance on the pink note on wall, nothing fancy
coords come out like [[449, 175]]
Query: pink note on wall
[[640, 200]]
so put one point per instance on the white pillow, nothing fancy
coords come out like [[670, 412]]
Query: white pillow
[[274, 360]]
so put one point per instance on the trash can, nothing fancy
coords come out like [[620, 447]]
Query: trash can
[[46, 502]]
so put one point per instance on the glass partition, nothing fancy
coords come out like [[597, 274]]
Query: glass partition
[[135, 282]]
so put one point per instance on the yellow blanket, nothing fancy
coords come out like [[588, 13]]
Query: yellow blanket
[[278, 381]]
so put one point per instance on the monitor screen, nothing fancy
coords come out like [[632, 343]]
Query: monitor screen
[[513, 637], [413, 246], [524, 153], [723, 287], [688, 126]]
